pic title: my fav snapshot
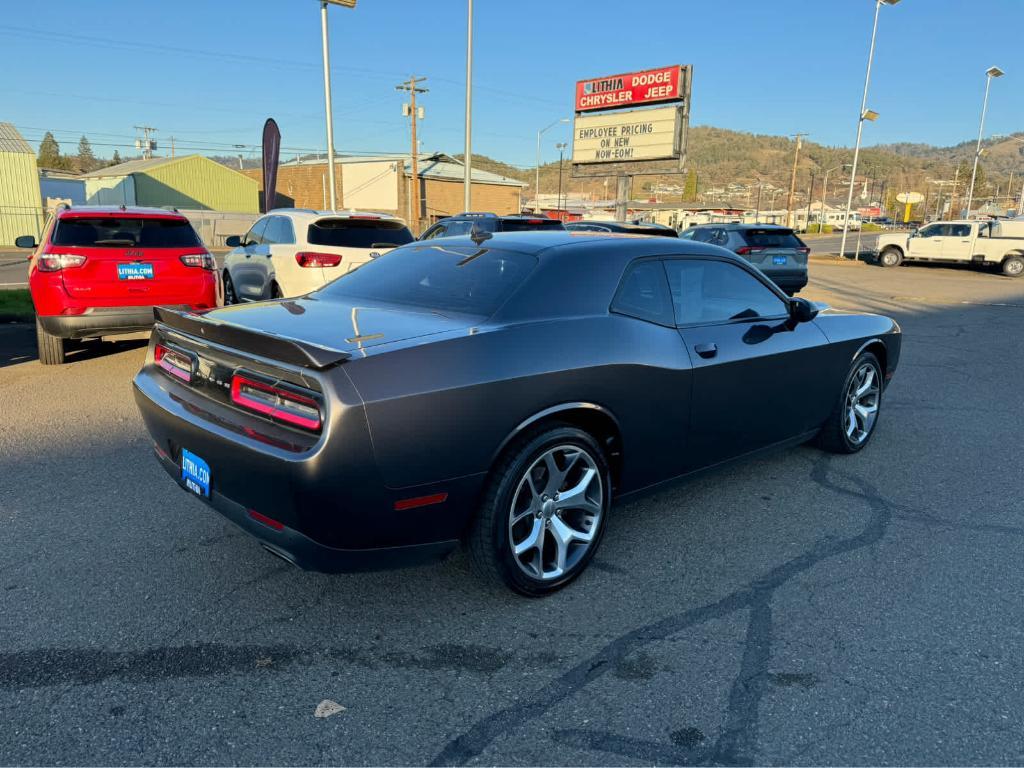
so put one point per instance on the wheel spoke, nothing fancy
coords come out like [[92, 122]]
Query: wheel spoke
[[533, 540], [576, 497], [868, 379], [851, 423]]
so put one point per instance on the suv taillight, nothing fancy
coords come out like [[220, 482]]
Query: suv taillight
[[314, 259], [804, 250], [177, 364], [744, 250], [55, 262], [204, 260], [276, 402]]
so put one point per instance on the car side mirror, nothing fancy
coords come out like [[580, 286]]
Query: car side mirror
[[233, 241], [25, 241], [802, 310]]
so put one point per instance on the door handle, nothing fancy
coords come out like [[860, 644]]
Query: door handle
[[706, 351]]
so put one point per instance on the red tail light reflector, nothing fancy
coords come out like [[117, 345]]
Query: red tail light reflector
[[55, 262], [267, 521], [747, 249], [314, 259], [364, 216], [420, 501], [176, 363], [804, 250], [276, 402]]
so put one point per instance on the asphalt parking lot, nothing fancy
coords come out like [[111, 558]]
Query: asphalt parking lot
[[799, 609]]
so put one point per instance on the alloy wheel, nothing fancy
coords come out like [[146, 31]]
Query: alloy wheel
[[1014, 267], [862, 400], [229, 291], [556, 512]]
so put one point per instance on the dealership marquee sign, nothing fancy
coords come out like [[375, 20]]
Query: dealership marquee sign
[[633, 123], [626, 136]]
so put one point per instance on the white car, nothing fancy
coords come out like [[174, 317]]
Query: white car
[[292, 251]]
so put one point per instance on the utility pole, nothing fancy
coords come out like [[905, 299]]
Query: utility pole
[[467, 179], [146, 144], [790, 218], [412, 89], [561, 157], [810, 196], [172, 146]]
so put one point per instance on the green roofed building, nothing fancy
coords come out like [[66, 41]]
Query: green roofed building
[[21, 208], [191, 182]]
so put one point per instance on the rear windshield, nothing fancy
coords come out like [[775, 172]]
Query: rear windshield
[[129, 232], [527, 225], [469, 280], [771, 238], [359, 233]]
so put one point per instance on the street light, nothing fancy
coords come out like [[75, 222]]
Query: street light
[[990, 73], [467, 156], [561, 156], [327, 91], [824, 194], [536, 186], [864, 114]]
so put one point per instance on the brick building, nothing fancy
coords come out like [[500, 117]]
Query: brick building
[[384, 183]]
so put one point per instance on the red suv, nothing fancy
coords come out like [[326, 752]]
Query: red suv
[[100, 271]]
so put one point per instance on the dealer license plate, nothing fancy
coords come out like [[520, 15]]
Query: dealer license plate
[[195, 473], [135, 271]]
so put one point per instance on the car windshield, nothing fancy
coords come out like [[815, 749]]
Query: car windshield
[[127, 232], [469, 280], [771, 238], [527, 225], [359, 233]]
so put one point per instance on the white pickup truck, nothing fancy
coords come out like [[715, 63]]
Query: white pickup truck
[[998, 244]]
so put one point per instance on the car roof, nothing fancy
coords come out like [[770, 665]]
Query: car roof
[[737, 227], [546, 244], [474, 215], [310, 214], [118, 210]]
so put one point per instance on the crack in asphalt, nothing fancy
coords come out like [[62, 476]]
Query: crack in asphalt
[[738, 740]]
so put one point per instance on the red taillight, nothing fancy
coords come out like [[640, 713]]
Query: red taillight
[[55, 262], [314, 259], [805, 250], [364, 216], [203, 260], [537, 221], [748, 249], [176, 363], [276, 402]]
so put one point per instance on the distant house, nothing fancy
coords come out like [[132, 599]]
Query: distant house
[[191, 182], [21, 208]]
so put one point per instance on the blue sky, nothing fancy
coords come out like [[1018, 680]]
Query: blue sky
[[210, 72]]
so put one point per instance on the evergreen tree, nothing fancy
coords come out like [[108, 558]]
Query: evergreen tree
[[690, 190], [116, 159], [49, 152], [86, 159]]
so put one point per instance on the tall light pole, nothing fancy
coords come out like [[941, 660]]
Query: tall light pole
[[990, 73], [468, 154], [536, 186], [865, 114], [327, 92], [561, 156]]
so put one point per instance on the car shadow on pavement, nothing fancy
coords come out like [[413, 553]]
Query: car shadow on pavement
[[18, 345]]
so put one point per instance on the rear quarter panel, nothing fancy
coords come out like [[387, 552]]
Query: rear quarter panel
[[443, 410]]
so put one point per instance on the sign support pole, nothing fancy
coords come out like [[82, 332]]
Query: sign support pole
[[622, 197], [327, 104]]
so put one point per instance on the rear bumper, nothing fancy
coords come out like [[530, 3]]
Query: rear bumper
[[100, 321], [790, 280], [302, 551]]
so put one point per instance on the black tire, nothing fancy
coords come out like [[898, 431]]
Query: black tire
[[834, 436], [489, 545], [890, 257], [230, 297], [51, 348], [1013, 266]]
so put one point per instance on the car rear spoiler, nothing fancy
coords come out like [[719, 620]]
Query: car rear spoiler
[[268, 345]]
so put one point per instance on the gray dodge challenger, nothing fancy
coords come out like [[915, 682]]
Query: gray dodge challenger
[[498, 392]]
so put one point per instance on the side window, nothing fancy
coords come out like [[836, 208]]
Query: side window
[[702, 235], [273, 232], [643, 294], [718, 292], [438, 231], [287, 231], [255, 235], [456, 228], [719, 237], [960, 230]]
